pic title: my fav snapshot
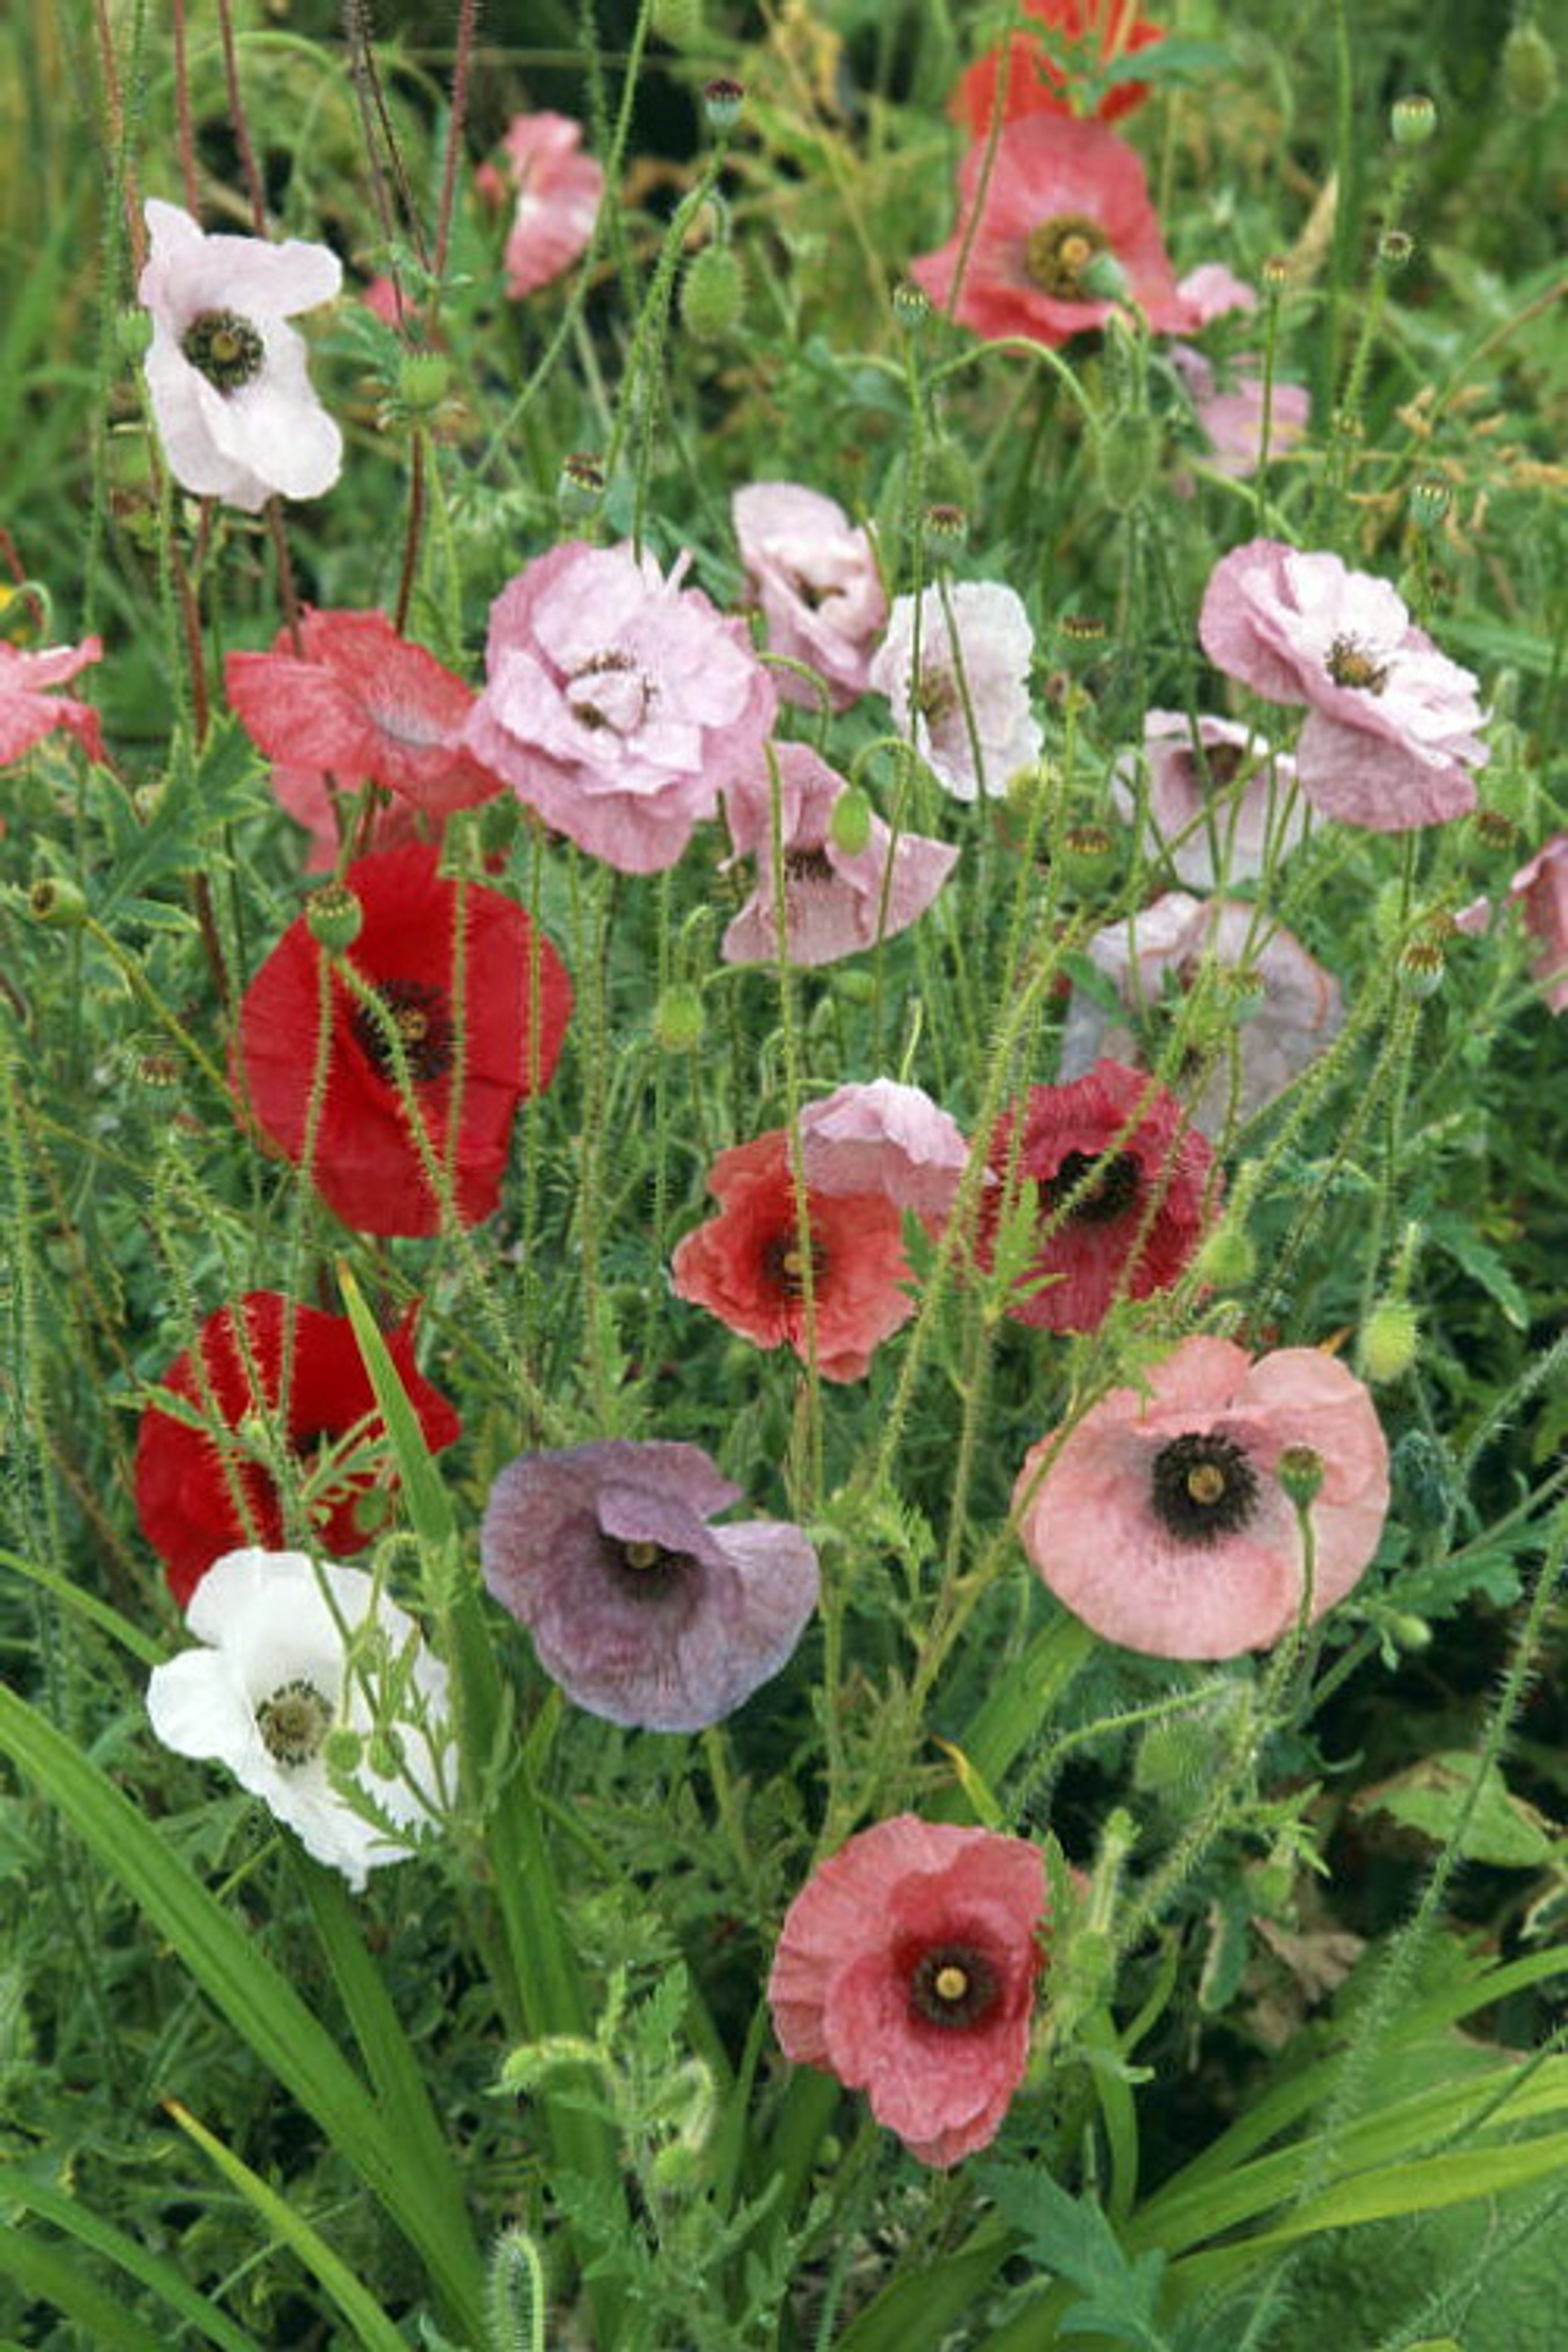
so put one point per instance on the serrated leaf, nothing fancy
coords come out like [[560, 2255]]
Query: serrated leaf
[[1434, 1799], [1481, 1263], [1072, 2237]]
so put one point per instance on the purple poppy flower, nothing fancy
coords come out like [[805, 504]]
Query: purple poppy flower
[[640, 1610]]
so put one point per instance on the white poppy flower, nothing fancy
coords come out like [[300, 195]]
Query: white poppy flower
[[275, 1679], [232, 401], [967, 712]]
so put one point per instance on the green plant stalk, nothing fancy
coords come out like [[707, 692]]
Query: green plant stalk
[[21, 2187]]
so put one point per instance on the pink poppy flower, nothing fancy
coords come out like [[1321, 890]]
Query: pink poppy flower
[[1120, 1183], [1542, 890], [1232, 419], [1390, 737], [833, 897], [29, 711], [558, 196], [320, 803], [1061, 194], [885, 1137], [1161, 1522], [232, 402], [814, 574], [617, 702], [967, 709], [360, 703], [1239, 799], [745, 1265], [906, 1966], [1293, 1008], [1212, 291]]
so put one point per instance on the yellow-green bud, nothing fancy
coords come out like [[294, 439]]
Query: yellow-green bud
[[713, 296], [678, 1020], [1389, 1340], [373, 1507], [333, 917], [1227, 1259], [424, 379], [1411, 1633], [1413, 121], [342, 1750], [385, 1754], [1088, 856], [1103, 277], [54, 900], [855, 987], [1528, 71], [850, 826]]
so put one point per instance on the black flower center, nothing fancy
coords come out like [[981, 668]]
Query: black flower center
[[645, 1570], [1351, 663], [1203, 1487], [1101, 1185], [1060, 250], [954, 1985], [808, 865], [293, 1723], [785, 1263], [225, 348], [418, 1013], [1220, 766]]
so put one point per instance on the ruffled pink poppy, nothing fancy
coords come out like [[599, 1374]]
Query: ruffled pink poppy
[[1240, 800], [965, 706], [1161, 1522], [885, 1137], [1061, 194], [1542, 890], [558, 196], [837, 902], [29, 711], [1390, 739], [814, 573], [906, 1966], [618, 702], [746, 1265]]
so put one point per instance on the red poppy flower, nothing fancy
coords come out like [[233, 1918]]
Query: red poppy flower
[[502, 1041], [1119, 1183], [1060, 195], [1035, 84], [188, 1481], [746, 1265]]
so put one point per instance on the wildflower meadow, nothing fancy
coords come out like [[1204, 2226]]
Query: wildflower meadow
[[784, 956]]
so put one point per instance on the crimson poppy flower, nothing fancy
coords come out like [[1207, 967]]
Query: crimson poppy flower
[[1035, 84], [189, 1481], [494, 1048], [746, 1265], [1119, 1181]]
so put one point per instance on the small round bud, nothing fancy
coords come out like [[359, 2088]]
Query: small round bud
[[1103, 278], [1430, 498], [1413, 121], [1389, 1340], [855, 987], [423, 380], [849, 826], [1528, 71], [1493, 830], [1411, 1633], [1300, 1471], [1394, 250], [1421, 967], [679, 1019], [714, 295], [1227, 1260], [342, 1750], [385, 1754], [678, 2168], [946, 527], [580, 484], [911, 306], [54, 900], [1174, 1759], [1128, 458], [721, 102], [144, 800], [333, 917]]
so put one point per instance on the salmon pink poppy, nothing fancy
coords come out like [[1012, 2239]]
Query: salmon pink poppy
[[1541, 889], [558, 196], [29, 711], [907, 1966], [1094, 34], [490, 1049], [203, 1492]]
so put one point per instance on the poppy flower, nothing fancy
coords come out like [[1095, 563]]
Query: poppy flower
[[638, 1608], [1161, 1522], [907, 1966], [885, 1137], [1099, 31], [558, 196], [493, 1049], [1390, 739], [1542, 890], [965, 707], [186, 1479], [1059, 195], [279, 1668], [836, 901], [1237, 798], [29, 711], [231, 399], [746, 1265], [358, 702], [814, 574], [1119, 1181]]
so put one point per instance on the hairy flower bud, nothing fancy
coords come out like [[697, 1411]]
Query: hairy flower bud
[[1389, 1341], [713, 296], [1528, 71], [849, 826], [677, 1019]]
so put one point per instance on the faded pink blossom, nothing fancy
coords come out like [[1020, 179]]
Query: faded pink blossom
[[1390, 739], [814, 574], [617, 702], [1212, 291], [29, 711], [906, 1966], [966, 707], [231, 399], [1160, 1520], [1244, 804], [1542, 890], [833, 897], [1232, 418], [558, 196], [884, 1137], [1294, 1008]]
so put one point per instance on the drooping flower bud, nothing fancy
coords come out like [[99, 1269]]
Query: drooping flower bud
[[1389, 1341], [678, 1020], [1528, 71], [849, 826], [714, 295]]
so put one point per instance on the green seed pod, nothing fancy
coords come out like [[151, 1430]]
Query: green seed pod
[[54, 900], [1421, 964], [333, 917], [911, 306], [1300, 1471], [1413, 121], [713, 296], [1128, 454], [580, 484], [721, 102], [1088, 856], [1528, 71], [850, 826], [424, 379], [342, 1750], [1389, 1340]]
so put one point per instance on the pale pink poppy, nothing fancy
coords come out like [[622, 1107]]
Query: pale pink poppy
[[29, 712], [838, 902], [1231, 416], [1542, 890], [884, 1137], [963, 699], [1390, 739], [558, 196], [231, 398], [1212, 291], [1240, 800], [814, 574], [619, 703], [1161, 1520]]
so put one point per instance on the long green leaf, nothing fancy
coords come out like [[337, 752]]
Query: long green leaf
[[56, 2205], [51, 2276]]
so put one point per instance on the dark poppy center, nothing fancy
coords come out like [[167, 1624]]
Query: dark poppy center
[[1101, 1185], [1060, 250], [418, 1013], [784, 1263], [1219, 767], [225, 348], [954, 1986], [645, 1570], [808, 865], [936, 696], [1351, 663], [293, 1723], [1202, 1487]]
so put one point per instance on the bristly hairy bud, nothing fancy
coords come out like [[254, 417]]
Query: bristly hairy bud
[[423, 380], [1421, 967], [849, 826], [721, 102], [333, 916], [713, 296], [1413, 121], [1088, 854], [1227, 1260], [679, 1019], [1528, 71], [1389, 1341]]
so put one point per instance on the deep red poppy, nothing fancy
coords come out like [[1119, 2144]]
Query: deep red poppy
[[501, 1042], [186, 1479], [1035, 84]]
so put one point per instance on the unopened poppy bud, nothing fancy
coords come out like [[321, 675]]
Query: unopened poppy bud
[[721, 102], [1394, 250], [342, 1750], [679, 1019], [1528, 71], [854, 986], [1389, 1340], [1411, 1633], [424, 379], [713, 296], [1422, 1478], [912, 305], [1174, 1759], [1430, 499], [1227, 1260], [1413, 121], [1102, 277], [1421, 967], [383, 1754], [144, 800], [333, 917], [54, 900], [678, 2168], [1128, 454], [580, 485], [849, 826], [1300, 1471]]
